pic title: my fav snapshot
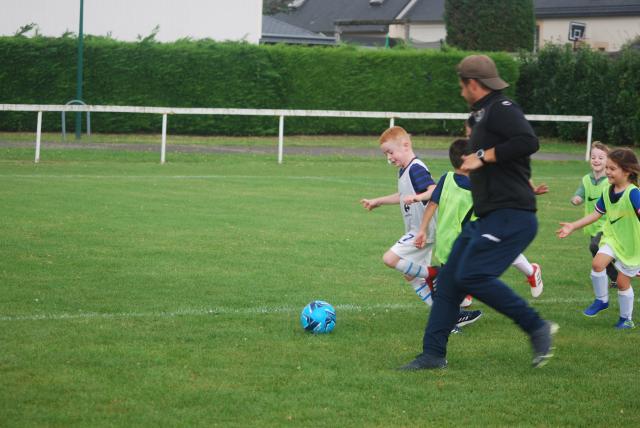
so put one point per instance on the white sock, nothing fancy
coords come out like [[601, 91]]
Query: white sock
[[522, 264], [422, 290], [600, 285], [625, 300], [412, 268]]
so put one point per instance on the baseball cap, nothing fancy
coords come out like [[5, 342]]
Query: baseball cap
[[483, 69]]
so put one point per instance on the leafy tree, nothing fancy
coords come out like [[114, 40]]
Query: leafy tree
[[490, 25]]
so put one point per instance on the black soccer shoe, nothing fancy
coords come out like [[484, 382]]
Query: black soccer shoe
[[468, 317], [425, 362], [541, 342]]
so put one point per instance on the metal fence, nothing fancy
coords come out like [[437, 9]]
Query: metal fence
[[166, 111]]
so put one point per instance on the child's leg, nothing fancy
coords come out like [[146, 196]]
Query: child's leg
[[522, 264], [532, 272], [407, 267], [625, 296], [599, 276], [594, 245], [600, 284], [412, 262]]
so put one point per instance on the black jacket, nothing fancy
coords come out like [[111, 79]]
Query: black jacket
[[497, 122]]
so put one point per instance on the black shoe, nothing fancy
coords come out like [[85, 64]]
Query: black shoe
[[425, 362], [541, 342], [468, 317], [613, 284]]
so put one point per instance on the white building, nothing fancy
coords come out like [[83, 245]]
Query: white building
[[127, 19]]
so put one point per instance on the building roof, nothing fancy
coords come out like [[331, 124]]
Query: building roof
[[276, 31], [427, 11], [321, 15], [585, 8]]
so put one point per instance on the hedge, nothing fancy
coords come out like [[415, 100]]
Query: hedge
[[205, 73], [586, 82]]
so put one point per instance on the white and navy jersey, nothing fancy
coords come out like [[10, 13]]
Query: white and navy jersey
[[412, 180]]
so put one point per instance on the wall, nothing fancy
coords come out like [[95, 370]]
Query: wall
[[602, 33], [126, 19], [419, 32]]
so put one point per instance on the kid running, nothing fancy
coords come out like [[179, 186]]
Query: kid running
[[621, 234], [590, 190], [452, 200], [414, 177]]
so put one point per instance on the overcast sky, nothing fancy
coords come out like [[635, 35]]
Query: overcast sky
[[126, 19]]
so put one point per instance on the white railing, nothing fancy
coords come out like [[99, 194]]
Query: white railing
[[165, 111]]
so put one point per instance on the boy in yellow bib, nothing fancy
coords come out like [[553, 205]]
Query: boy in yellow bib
[[589, 191], [452, 200], [621, 235]]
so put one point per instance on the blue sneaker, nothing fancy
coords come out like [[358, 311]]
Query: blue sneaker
[[596, 306], [624, 323]]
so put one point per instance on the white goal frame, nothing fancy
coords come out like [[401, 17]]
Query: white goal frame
[[281, 114]]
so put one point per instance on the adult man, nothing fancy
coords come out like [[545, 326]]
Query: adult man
[[499, 168]]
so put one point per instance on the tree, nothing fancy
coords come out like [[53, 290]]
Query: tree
[[271, 7], [490, 25]]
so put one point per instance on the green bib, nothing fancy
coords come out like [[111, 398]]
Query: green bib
[[622, 229], [455, 203], [592, 193]]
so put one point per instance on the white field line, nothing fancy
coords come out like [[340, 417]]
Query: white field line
[[257, 310]]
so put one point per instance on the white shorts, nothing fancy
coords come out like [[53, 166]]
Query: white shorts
[[405, 249], [629, 271]]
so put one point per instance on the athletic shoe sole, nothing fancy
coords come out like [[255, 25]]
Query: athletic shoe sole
[[469, 321]]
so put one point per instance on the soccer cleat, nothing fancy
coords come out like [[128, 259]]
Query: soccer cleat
[[541, 342], [432, 278], [613, 284], [425, 362], [467, 301], [456, 330], [595, 307], [624, 323], [467, 317], [535, 280]]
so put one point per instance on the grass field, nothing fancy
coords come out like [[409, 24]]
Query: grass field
[[339, 141], [134, 294]]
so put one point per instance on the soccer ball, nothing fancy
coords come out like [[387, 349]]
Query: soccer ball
[[318, 317]]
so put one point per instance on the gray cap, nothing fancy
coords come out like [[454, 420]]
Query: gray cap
[[483, 69]]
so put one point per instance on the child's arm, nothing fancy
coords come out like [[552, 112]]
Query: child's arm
[[540, 189], [568, 228], [371, 204], [578, 197], [424, 196], [421, 237]]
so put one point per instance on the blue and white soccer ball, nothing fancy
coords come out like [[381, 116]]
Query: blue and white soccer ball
[[318, 317]]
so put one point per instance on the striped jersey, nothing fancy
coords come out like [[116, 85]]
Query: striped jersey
[[412, 180]]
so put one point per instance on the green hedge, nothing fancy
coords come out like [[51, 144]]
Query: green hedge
[[560, 81], [208, 74]]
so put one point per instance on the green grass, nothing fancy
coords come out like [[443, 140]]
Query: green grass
[[420, 142], [134, 294]]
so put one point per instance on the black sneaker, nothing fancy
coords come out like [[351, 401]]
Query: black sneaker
[[541, 342], [468, 317], [425, 362]]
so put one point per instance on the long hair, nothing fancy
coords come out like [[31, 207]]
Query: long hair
[[627, 160]]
